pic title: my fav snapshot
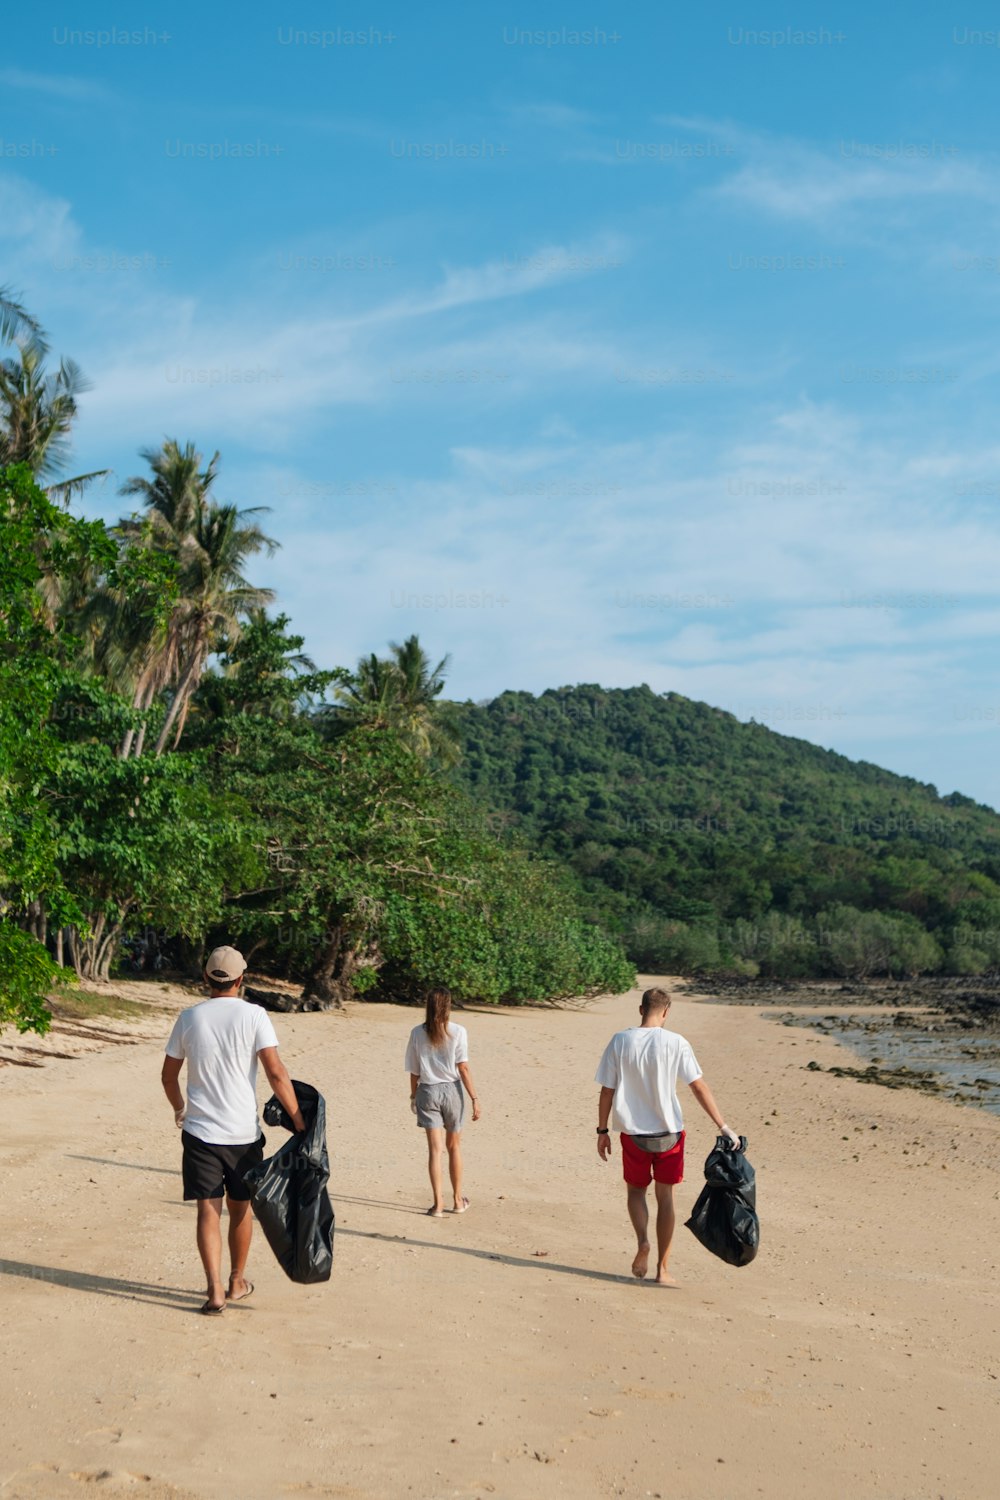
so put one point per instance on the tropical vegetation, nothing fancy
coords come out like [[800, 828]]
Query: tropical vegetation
[[709, 845], [175, 771]]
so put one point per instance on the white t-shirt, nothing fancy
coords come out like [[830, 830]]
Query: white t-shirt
[[437, 1064], [219, 1039], [643, 1066]]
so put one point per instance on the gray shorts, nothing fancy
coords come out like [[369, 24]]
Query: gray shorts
[[440, 1106]]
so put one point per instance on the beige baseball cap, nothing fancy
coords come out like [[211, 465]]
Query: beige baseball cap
[[224, 964]]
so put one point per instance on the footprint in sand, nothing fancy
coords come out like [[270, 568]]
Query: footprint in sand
[[50, 1481], [113, 1478]]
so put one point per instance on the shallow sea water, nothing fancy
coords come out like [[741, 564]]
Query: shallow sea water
[[966, 1065], [969, 1066]]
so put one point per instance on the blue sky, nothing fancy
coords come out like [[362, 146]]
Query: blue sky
[[614, 345]]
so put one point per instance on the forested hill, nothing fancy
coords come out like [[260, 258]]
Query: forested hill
[[705, 842]]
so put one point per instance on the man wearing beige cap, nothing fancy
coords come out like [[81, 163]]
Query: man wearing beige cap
[[221, 1039]]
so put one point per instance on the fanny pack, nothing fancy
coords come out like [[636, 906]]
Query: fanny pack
[[656, 1143]]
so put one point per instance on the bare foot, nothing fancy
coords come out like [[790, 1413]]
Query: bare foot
[[239, 1289], [641, 1263], [664, 1278]]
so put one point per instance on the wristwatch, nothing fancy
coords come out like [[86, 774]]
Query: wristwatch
[[603, 1130]]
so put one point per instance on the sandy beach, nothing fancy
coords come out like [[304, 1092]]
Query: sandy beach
[[508, 1352]]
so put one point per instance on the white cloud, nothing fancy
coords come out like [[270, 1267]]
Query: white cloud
[[519, 555], [34, 225], [55, 85], [847, 619], [161, 362], [557, 116], [791, 179], [811, 187]]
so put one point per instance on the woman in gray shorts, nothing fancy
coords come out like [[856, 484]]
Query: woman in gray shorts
[[437, 1060]]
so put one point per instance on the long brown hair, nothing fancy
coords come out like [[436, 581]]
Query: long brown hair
[[438, 1015]]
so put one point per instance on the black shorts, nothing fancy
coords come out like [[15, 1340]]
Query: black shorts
[[209, 1170]]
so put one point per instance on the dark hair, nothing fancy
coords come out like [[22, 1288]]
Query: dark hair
[[437, 1015], [219, 986], [654, 1000]]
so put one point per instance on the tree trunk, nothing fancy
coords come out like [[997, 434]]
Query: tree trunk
[[89, 948], [145, 705], [105, 952], [181, 721], [191, 956], [327, 986], [125, 748], [92, 956], [185, 688], [59, 946], [75, 955]]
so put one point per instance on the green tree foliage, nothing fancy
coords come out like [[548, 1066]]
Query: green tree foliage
[[511, 930], [706, 844], [263, 671], [389, 839], [858, 944], [374, 880], [347, 824], [208, 545], [38, 542], [142, 843], [37, 407], [17, 324], [399, 692], [322, 838], [27, 973]]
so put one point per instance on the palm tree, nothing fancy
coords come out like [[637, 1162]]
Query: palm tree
[[149, 658], [399, 692], [37, 411], [370, 697], [151, 653], [125, 633], [16, 323], [422, 719], [263, 672], [215, 598], [178, 490]]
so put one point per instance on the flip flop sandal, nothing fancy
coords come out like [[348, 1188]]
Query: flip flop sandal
[[466, 1205], [209, 1310], [243, 1295]]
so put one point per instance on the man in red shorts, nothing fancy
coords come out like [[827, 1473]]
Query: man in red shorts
[[638, 1074]]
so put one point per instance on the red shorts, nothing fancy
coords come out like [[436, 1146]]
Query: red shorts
[[643, 1167]]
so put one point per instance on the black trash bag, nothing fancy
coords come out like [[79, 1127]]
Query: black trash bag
[[289, 1195], [727, 1167], [724, 1217]]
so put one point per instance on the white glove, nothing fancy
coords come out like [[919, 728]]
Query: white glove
[[730, 1137], [413, 1103], [179, 1118]]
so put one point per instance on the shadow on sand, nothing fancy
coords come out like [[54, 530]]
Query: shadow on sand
[[133, 1166], [107, 1286], [535, 1263], [398, 1208]]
